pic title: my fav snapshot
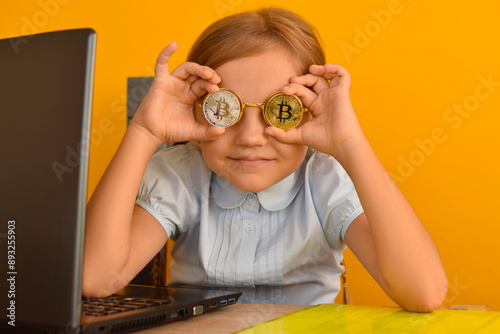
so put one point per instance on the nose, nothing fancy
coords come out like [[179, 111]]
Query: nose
[[250, 128]]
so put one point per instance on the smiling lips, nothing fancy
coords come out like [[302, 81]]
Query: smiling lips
[[250, 160]]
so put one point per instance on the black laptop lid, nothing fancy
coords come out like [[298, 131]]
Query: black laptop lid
[[45, 100]]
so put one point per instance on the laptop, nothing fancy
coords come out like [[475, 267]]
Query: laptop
[[45, 102]]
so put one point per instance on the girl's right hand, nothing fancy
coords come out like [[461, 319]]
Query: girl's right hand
[[166, 113]]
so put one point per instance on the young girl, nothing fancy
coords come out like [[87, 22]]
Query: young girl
[[253, 207]]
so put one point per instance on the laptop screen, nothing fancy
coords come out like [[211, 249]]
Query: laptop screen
[[45, 101]]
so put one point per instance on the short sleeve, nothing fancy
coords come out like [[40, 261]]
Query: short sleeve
[[172, 186], [334, 196]]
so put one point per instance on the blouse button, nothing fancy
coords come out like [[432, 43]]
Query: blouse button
[[251, 197], [249, 229]]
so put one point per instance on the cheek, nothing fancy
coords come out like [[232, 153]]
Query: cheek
[[292, 151], [292, 154], [209, 153], [214, 153], [299, 155]]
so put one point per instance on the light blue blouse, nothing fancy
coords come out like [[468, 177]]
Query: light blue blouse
[[282, 245]]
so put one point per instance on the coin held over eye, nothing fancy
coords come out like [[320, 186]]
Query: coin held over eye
[[283, 111], [225, 108], [222, 109]]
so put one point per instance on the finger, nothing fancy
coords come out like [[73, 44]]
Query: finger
[[317, 83], [338, 74], [190, 72], [333, 72], [337, 70], [306, 95], [161, 67], [200, 87], [318, 70]]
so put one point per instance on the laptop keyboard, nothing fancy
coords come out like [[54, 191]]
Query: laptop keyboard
[[116, 304]]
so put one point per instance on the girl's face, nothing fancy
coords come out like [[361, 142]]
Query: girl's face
[[244, 155]]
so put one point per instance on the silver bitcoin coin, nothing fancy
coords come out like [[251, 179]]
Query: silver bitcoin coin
[[222, 109]]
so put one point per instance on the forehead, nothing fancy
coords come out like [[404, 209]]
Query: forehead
[[257, 76]]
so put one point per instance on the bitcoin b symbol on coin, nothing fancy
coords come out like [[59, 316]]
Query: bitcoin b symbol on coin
[[284, 112], [222, 109]]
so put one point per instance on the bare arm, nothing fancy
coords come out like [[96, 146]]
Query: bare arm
[[121, 237], [388, 238], [109, 237]]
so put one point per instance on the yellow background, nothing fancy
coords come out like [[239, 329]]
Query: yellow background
[[412, 63]]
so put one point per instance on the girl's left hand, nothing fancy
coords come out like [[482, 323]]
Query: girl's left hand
[[331, 122]]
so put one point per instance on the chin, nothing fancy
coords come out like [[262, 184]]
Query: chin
[[253, 183]]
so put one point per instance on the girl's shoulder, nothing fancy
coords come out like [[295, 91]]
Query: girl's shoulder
[[320, 165], [178, 150], [184, 160]]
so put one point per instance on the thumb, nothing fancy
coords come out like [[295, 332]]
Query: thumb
[[292, 136], [207, 133]]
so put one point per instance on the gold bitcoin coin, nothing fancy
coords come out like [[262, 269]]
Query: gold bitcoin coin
[[283, 111], [222, 109]]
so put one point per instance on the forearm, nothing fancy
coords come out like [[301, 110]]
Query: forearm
[[388, 238], [409, 266], [109, 211]]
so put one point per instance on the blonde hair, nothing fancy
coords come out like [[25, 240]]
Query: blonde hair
[[250, 33]]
